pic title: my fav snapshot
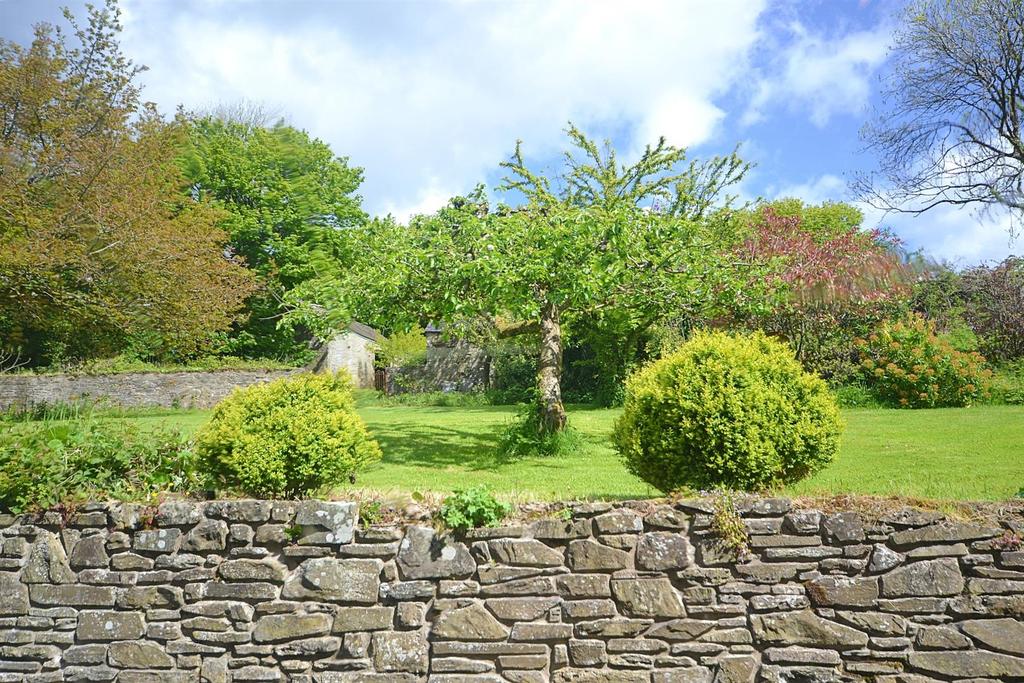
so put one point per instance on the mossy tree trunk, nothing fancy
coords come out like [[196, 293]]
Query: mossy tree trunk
[[549, 371]]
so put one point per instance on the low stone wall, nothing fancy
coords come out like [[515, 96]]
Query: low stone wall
[[130, 390], [266, 591], [459, 367]]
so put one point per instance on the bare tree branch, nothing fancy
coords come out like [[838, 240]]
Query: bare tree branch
[[952, 130]]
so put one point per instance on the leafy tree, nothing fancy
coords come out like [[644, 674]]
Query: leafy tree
[[639, 241], [287, 198], [839, 280], [952, 133], [99, 249]]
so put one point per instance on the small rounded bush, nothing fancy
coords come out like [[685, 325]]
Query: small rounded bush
[[909, 366], [726, 411], [291, 437]]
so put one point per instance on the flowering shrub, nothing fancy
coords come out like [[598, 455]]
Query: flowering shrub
[[908, 365]]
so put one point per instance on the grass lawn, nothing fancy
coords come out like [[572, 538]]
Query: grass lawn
[[972, 453]]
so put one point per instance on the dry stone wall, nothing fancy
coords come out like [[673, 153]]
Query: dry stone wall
[[271, 591], [130, 390]]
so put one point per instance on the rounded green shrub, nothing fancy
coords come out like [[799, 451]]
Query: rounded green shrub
[[908, 365], [291, 437], [727, 411]]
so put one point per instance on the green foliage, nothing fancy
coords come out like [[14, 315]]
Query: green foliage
[[524, 436], [43, 464], [289, 202], [724, 410], [1007, 385], [907, 365], [513, 373], [937, 295], [837, 281], [370, 512], [856, 395], [472, 508], [401, 349], [728, 527], [825, 221], [631, 241], [100, 252], [994, 297], [291, 437]]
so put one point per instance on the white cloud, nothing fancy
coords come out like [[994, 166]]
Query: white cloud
[[824, 188], [427, 201], [823, 76], [438, 104], [959, 235]]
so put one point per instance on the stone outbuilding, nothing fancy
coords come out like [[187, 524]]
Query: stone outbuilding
[[352, 350]]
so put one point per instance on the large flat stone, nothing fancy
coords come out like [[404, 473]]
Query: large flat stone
[[331, 580], [663, 550], [423, 554], [71, 595], [952, 532], [138, 654], [356, 619], [589, 556], [524, 552], [648, 598], [1004, 635], [928, 578], [100, 626], [805, 628], [969, 664], [470, 623], [277, 628], [400, 652], [334, 523], [13, 596], [89, 553], [842, 591], [47, 562]]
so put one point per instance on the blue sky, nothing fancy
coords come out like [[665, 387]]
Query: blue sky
[[428, 97]]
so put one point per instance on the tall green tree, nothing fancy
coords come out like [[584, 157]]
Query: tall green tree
[[100, 250], [639, 240], [288, 201]]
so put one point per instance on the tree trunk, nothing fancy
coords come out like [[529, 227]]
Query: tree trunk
[[549, 371]]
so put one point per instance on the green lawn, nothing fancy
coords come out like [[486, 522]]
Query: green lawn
[[972, 453]]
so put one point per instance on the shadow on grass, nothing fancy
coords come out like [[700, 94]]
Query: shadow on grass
[[475, 447], [413, 443]]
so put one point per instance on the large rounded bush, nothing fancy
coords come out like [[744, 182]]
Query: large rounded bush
[[290, 437], [730, 411]]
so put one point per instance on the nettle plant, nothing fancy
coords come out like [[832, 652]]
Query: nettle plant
[[907, 364]]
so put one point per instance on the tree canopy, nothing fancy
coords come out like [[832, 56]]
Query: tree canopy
[[641, 240], [287, 201], [100, 250]]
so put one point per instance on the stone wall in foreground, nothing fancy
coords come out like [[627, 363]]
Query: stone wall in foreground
[[130, 390], [269, 591]]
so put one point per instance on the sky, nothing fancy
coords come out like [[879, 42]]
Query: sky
[[428, 97]]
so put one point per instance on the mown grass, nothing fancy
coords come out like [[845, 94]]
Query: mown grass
[[945, 454]]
